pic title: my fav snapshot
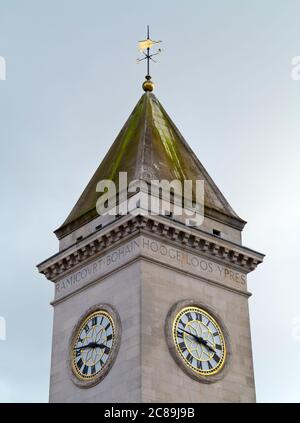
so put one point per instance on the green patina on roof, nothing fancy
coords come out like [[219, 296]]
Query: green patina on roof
[[148, 147]]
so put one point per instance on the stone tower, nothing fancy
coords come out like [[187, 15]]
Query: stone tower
[[148, 308]]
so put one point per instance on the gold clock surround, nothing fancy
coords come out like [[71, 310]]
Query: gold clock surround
[[112, 315], [173, 315]]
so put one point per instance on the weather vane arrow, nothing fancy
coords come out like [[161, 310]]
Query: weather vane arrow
[[144, 47]]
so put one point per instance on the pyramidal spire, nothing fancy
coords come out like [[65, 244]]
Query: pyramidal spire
[[150, 147]]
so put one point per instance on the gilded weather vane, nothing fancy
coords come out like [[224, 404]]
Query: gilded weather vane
[[144, 47]]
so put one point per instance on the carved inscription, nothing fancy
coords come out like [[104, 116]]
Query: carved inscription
[[97, 268], [152, 249], [196, 264]]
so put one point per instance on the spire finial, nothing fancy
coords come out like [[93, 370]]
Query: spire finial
[[144, 47]]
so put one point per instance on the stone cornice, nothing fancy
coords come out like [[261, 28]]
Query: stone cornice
[[93, 245]]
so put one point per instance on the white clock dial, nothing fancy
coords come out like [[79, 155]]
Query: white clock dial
[[199, 340], [93, 344]]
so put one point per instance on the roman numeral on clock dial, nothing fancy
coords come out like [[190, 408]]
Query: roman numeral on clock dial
[[179, 334], [182, 346], [216, 358], [199, 364], [79, 364], [106, 350], [189, 357]]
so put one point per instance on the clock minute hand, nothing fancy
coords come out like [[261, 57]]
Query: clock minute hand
[[91, 345], [200, 340], [189, 333], [96, 345], [194, 336]]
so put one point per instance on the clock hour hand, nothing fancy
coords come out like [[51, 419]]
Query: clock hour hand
[[199, 339], [204, 342]]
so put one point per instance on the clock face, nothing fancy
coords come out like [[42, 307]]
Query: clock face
[[92, 345], [199, 341]]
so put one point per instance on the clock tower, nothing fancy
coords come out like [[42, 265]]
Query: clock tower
[[150, 307]]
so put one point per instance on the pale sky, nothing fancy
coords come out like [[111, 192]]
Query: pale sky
[[71, 82]]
